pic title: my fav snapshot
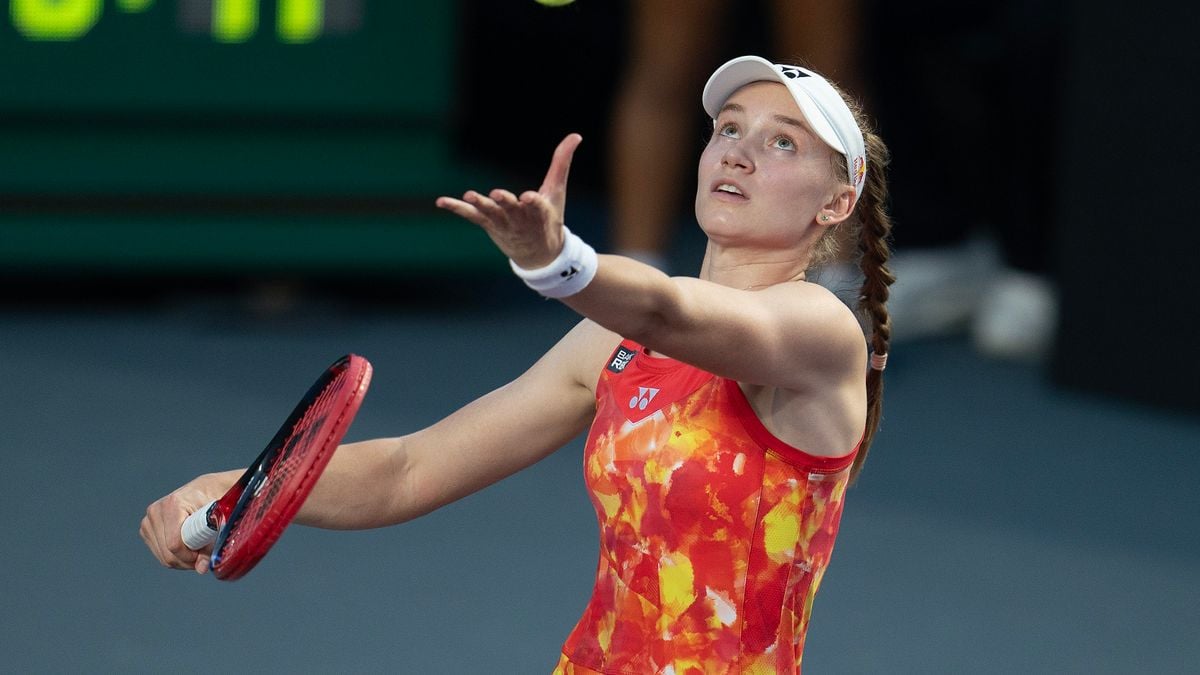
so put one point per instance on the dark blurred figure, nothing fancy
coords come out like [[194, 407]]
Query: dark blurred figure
[[573, 52], [1127, 235], [968, 96]]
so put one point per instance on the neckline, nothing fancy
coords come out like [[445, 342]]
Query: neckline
[[749, 419], [656, 363]]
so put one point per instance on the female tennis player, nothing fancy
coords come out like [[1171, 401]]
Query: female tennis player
[[727, 412]]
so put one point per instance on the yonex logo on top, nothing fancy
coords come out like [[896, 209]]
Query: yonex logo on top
[[643, 398]]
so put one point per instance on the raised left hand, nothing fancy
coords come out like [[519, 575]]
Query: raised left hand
[[527, 229]]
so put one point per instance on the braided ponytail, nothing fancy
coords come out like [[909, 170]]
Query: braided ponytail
[[874, 231], [871, 226]]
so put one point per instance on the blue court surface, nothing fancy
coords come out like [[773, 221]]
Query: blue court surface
[[1001, 525]]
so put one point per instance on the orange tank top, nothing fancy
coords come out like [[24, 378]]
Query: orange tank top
[[714, 534]]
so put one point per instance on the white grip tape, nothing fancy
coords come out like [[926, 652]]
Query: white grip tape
[[195, 530], [567, 274]]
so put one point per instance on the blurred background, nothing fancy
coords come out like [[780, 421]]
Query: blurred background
[[203, 202]]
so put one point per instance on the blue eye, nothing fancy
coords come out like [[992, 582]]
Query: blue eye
[[784, 143], [728, 129]]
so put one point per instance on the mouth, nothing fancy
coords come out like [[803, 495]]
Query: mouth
[[727, 188]]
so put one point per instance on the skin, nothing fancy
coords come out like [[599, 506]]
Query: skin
[[672, 43], [796, 350]]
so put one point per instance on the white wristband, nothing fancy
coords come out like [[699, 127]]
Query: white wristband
[[569, 273]]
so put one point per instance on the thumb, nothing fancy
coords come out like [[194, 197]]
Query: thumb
[[203, 561], [560, 166]]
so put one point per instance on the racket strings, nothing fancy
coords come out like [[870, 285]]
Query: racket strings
[[294, 463]]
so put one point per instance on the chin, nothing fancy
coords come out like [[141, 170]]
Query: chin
[[725, 222], [719, 230], [721, 218]]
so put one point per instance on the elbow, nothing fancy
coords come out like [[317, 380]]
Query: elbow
[[403, 488], [662, 314]]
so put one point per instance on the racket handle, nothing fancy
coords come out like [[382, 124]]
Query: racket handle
[[196, 531]]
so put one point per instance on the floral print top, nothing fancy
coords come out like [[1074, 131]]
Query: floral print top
[[714, 534]]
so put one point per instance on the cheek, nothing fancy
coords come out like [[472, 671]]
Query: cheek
[[710, 157], [798, 188], [784, 188], [705, 169]]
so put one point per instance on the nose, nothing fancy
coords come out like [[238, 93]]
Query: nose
[[737, 157]]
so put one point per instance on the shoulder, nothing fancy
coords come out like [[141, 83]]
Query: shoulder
[[821, 406], [563, 381], [828, 335], [584, 351], [813, 298]]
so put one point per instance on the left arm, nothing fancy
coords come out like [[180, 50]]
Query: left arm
[[755, 337]]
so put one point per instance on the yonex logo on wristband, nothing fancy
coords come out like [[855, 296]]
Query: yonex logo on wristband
[[567, 274]]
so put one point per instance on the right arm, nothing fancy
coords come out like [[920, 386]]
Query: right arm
[[392, 480], [483, 442]]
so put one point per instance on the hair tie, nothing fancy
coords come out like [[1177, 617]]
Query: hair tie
[[878, 361]]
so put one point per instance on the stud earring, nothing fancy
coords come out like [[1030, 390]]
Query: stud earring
[[824, 218]]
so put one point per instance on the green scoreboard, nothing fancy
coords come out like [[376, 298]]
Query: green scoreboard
[[210, 135]]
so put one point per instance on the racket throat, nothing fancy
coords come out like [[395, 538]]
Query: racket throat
[[210, 517]]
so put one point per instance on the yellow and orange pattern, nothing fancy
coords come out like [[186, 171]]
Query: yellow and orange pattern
[[714, 535]]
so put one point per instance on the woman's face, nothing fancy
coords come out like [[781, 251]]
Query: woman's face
[[764, 176]]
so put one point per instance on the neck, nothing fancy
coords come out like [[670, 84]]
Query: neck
[[752, 270]]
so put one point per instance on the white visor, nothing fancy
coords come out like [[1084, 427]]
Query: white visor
[[823, 108]]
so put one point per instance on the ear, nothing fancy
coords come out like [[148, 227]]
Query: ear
[[838, 207]]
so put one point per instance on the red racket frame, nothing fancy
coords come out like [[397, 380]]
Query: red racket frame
[[281, 478]]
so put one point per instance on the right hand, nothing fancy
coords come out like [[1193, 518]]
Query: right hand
[[163, 519]]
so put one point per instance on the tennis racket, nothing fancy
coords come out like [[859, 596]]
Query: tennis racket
[[248, 519]]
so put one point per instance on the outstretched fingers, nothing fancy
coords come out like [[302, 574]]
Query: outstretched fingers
[[555, 182], [509, 209], [528, 228], [473, 206], [498, 205], [503, 198]]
